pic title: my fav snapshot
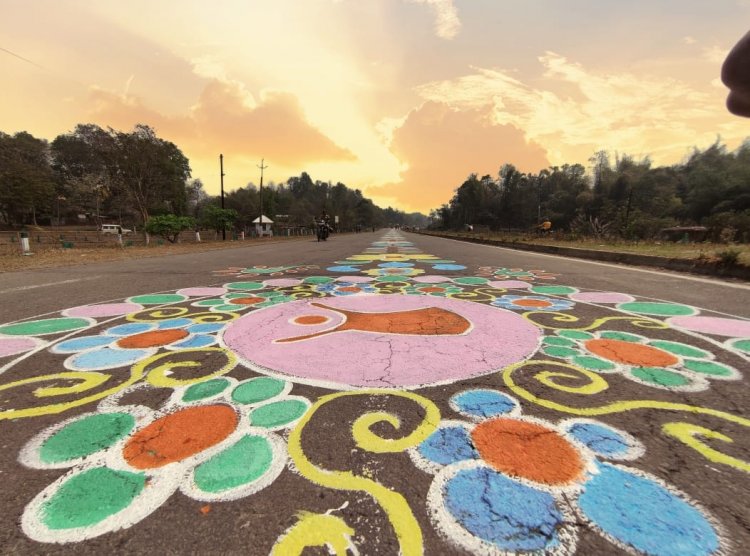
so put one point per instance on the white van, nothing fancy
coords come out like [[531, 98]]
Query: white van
[[114, 229]]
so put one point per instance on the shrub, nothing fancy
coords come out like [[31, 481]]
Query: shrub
[[169, 226]]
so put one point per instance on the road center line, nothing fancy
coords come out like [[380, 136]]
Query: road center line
[[71, 281]]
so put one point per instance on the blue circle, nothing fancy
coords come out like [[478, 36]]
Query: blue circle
[[601, 439], [130, 328], [396, 265], [174, 323], [449, 267], [343, 268], [484, 403], [205, 328], [642, 514], [83, 343], [448, 445], [502, 511]]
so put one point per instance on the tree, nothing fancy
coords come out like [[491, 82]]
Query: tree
[[152, 171], [26, 178], [218, 218], [169, 226]]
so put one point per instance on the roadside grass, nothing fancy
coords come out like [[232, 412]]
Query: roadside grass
[[738, 254]]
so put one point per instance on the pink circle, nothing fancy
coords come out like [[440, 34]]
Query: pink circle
[[431, 279], [282, 282], [201, 292], [104, 310], [734, 328], [355, 279], [14, 346], [510, 284], [602, 297], [485, 339]]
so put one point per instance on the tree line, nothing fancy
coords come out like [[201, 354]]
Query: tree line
[[621, 197], [94, 175]]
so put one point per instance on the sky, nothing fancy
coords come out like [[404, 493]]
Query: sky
[[402, 99]]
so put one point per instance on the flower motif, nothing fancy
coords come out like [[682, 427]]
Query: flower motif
[[503, 273], [392, 257], [262, 270], [129, 343], [510, 484], [241, 296], [659, 363], [212, 440], [394, 269], [346, 288], [532, 303], [437, 290]]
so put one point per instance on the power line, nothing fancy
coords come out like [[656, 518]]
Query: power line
[[22, 58]]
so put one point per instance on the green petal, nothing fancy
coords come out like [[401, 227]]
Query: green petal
[[278, 414], [557, 351], [708, 367], [575, 334], [86, 436], [679, 349], [662, 377], [244, 462], [90, 497], [246, 286], [258, 389], [557, 341], [593, 363], [205, 389]]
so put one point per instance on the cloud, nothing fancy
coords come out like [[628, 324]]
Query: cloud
[[226, 118], [573, 111], [447, 23], [443, 146]]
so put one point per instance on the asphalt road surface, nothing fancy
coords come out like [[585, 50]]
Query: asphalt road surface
[[378, 393]]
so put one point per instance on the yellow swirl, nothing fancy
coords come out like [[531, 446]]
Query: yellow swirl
[[150, 315], [394, 504], [86, 381], [614, 407], [640, 322], [686, 433], [158, 376]]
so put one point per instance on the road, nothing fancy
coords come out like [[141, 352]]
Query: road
[[377, 393]]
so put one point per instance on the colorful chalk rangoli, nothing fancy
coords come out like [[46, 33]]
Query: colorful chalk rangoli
[[488, 413]]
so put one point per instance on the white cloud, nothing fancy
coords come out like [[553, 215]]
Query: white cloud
[[447, 23], [689, 40], [654, 115], [715, 54]]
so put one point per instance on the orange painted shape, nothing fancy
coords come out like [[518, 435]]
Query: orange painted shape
[[179, 435], [153, 338], [310, 319], [532, 303], [432, 289], [630, 353], [247, 300], [350, 289], [528, 450], [428, 321]]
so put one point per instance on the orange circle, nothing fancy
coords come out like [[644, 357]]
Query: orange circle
[[179, 435], [308, 320], [532, 303], [246, 300], [432, 289], [630, 353], [153, 338], [350, 289], [528, 450]]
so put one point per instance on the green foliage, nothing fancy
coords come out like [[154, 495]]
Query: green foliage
[[729, 257], [218, 218], [169, 226]]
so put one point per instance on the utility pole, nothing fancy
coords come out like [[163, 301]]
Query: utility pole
[[262, 167], [221, 167]]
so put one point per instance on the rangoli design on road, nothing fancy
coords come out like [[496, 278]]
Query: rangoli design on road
[[500, 411]]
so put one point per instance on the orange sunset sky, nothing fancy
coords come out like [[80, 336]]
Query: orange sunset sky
[[400, 98]]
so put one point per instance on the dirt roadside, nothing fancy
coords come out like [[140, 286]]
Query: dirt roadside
[[59, 257]]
